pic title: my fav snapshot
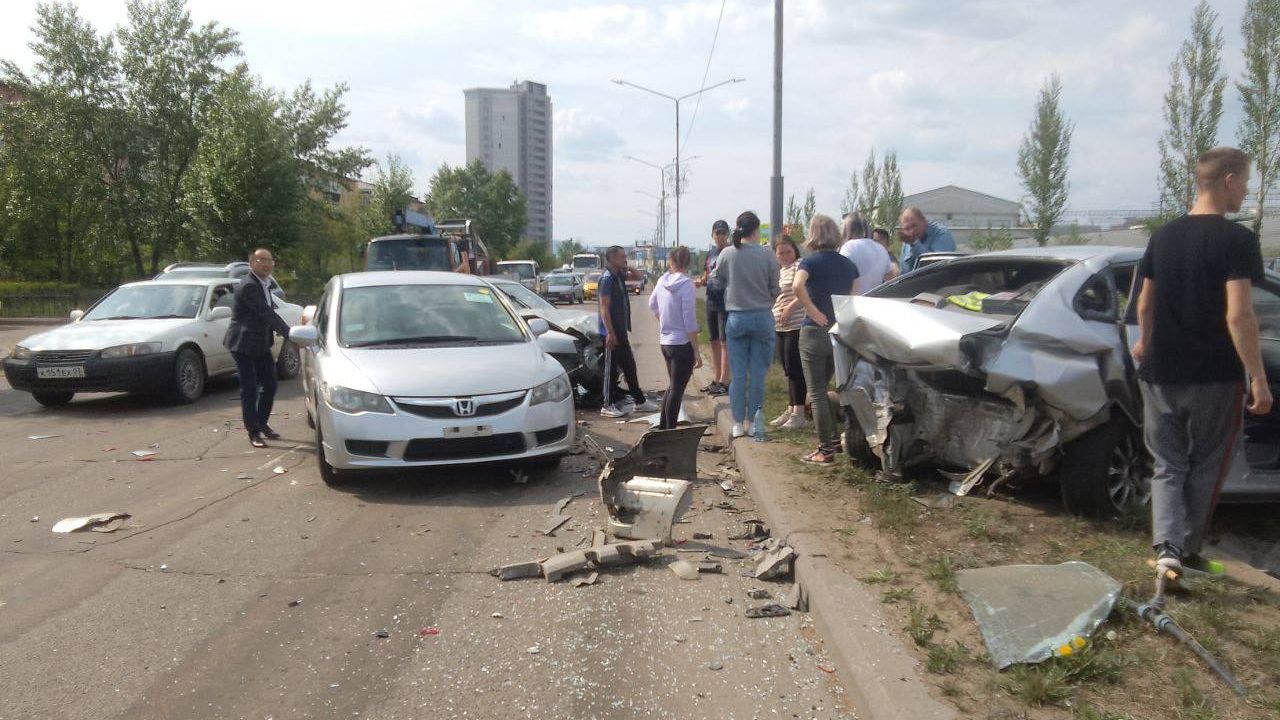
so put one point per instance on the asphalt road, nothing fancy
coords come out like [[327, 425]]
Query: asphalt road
[[236, 592]]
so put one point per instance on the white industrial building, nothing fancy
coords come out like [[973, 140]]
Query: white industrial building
[[510, 129]]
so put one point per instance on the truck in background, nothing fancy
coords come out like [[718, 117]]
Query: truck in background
[[587, 263], [423, 244], [524, 272]]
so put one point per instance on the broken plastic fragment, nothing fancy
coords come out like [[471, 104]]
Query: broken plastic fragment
[[767, 611], [382, 634], [589, 579], [684, 569], [42, 437], [143, 453], [428, 632], [775, 564], [1027, 612], [279, 470], [646, 490], [89, 521]]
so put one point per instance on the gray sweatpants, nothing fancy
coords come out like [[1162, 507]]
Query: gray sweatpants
[[1192, 432], [817, 358]]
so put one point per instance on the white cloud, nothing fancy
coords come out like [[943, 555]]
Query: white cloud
[[609, 24], [434, 122], [580, 135], [736, 106]]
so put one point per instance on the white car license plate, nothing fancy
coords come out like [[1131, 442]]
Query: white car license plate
[[468, 431], [51, 373]]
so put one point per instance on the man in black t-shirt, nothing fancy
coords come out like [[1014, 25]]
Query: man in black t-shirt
[[1199, 339]]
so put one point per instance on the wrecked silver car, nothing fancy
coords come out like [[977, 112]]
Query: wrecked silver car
[[1015, 365], [574, 341]]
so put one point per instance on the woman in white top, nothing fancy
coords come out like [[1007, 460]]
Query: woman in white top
[[788, 314], [873, 261]]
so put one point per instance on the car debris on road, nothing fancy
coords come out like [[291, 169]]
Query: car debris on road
[[98, 522]]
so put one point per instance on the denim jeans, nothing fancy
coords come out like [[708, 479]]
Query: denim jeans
[[750, 338], [257, 389]]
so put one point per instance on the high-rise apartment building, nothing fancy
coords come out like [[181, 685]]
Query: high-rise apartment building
[[510, 129]]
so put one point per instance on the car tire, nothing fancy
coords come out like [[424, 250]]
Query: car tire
[[53, 398], [289, 364], [189, 377], [328, 473], [855, 441], [1106, 473]]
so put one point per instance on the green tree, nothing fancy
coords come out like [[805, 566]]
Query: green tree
[[392, 191], [890, 191], [1192, 109], [170, 68], [244, 189], [53, 196], [991, 239], [492, 200], [869, 205], [1043, 161], [567, 249], [1259, 131], [531, 249], [852, 196]]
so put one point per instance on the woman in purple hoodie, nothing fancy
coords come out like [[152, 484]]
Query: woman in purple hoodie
[[672, 300]]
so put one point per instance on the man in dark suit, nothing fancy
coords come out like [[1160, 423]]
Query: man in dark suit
[[249, 338]]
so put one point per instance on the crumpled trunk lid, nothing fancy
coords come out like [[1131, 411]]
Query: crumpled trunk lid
[[907, 333]]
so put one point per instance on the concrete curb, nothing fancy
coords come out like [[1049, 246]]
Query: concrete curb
[[880, 674]]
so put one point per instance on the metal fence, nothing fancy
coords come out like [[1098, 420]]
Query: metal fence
[[47, 304]]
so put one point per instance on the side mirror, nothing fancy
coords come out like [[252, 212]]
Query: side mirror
[[304, 335], [221, 312], [538, 326], [76, 315]]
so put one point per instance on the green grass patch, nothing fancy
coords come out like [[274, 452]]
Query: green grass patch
[[1053, 682], [943, 573], [891, 508], [884, 576], [1192, 701], [945, 659], [893, 595], [921, 627]]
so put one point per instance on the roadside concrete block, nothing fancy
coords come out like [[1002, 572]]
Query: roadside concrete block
[[518, 570], [557, 566]]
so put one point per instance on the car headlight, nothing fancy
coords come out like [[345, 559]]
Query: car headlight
[[354, 401], [132, 349], [554, 391], [20, 353]]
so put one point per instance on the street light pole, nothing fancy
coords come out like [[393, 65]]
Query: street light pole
[[775, 183], [676, 101], [662, 185]]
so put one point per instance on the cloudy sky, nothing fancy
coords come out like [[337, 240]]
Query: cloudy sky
[[949, 85]]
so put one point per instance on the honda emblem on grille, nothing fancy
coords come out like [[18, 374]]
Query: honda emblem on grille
[[464, 407]]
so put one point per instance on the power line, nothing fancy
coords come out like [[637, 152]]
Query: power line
[[703, 86]]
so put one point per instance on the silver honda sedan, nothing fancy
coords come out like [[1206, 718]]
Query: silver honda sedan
[[408, 369]]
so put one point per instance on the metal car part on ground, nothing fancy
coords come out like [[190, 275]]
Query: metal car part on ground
[[1017, 362], [646, 490]]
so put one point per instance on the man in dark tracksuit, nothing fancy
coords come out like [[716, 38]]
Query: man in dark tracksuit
[[615, 325], [249, 338], [1199, 339]]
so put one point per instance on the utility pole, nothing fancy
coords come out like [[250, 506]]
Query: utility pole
[[662, 181], [676, 101], [775, 183]]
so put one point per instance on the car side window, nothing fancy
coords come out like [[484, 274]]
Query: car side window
[[1095, 300], [320, 319], [223, 296], [1266, 305], [1122, 278]]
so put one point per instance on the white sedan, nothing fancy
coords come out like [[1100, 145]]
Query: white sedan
[[410, 369], [157, 337]]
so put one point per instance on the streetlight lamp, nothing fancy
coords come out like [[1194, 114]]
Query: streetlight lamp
[[676, 101], [662, 187]]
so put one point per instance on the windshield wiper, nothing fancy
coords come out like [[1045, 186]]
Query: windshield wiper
[[120, 317], [419, 340]]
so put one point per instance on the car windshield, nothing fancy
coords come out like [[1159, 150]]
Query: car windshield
[[963, 284], [560, 279], [524, 271], [423, 316], [524, 296], [419, 253], [138, 302], [594, 277]]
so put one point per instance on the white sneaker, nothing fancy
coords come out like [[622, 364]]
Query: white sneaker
[[795, 422], [737, 431], [647, 406], [781, 419], [612, 411]]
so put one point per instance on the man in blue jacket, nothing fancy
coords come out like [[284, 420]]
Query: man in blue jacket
[[249, 338], [919, 236]]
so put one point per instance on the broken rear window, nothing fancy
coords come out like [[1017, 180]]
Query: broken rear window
[[992, 286]]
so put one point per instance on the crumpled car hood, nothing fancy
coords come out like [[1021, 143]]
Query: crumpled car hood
[[906, 333]]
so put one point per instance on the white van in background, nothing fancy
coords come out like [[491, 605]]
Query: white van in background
[[524, 272]]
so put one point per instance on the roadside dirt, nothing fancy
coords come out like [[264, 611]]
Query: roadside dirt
[[909, 553]]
